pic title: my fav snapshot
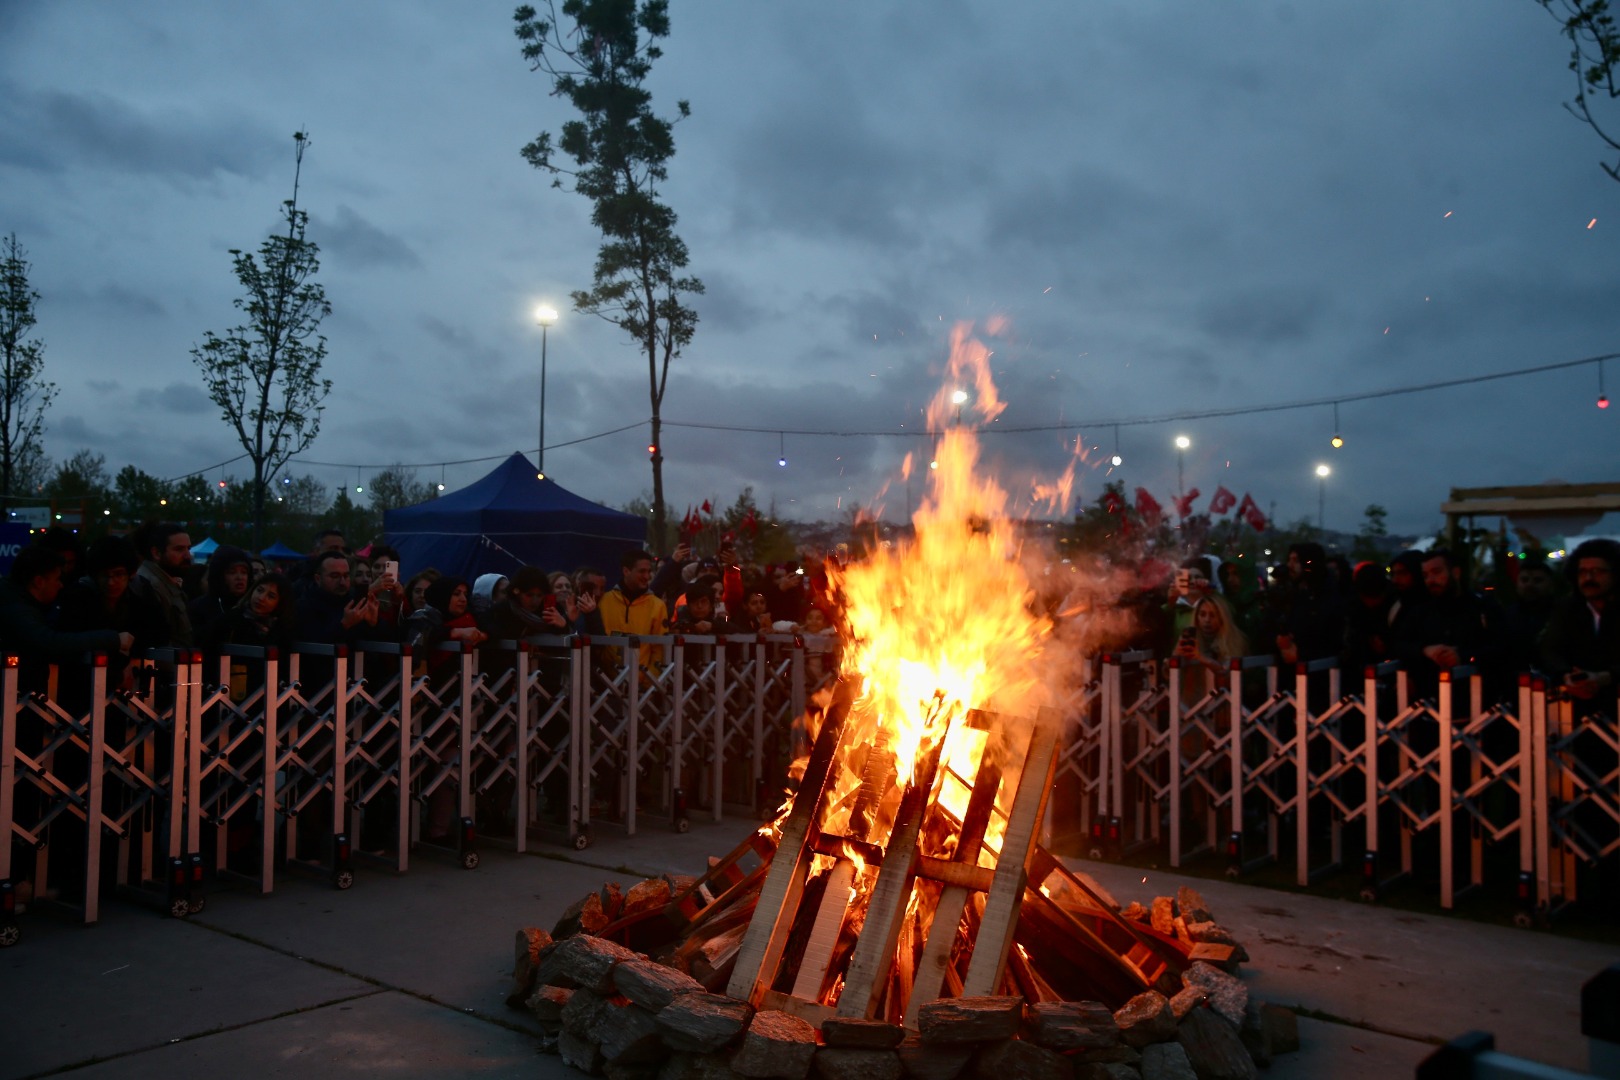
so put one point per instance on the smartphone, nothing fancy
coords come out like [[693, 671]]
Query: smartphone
[[549, 603], [391, 566]]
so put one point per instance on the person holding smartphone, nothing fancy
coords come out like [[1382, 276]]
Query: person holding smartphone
[[1580, 648]]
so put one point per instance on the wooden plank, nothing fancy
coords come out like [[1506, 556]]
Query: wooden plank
[[1001, 906], [949, 872], [779, 896], [1043, 864], [929, 979], [818, 950], [812, 1011], [873, 959]]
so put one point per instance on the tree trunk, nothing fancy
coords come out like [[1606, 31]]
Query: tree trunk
[[659, 524]]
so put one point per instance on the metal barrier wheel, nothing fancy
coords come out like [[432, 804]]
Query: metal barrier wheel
[[682, 825], [1369, 896], [1524, 920], [343, 879], [9, 935], [469, 860], [195, 906], [179, 907], [582, 841]]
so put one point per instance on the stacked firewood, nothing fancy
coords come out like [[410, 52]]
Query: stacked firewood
[[629, 984]]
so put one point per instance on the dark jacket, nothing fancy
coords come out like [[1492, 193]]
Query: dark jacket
[[1570, 642], [25, 632]]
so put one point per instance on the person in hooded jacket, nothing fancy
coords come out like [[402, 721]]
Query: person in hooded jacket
[[230, 572], [102, 600], [487, 591], [446, 616]]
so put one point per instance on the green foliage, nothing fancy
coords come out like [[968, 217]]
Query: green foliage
[[1370, 537], [24, 394], [265, 374], [81, 482], [1595, 60], [138, 496], [620, 151], [397, 486]]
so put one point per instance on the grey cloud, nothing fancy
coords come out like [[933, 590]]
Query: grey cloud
[[1262, 317], [183, 398], [54, 130], [352, 238]]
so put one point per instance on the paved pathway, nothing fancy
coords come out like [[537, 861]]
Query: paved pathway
[[408, 974]]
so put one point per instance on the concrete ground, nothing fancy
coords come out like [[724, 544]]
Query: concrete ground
[[407, 974]]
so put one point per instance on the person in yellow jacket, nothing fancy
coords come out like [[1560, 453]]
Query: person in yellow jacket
[[630, 608]]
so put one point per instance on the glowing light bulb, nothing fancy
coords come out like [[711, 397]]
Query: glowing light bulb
[[782, 461], [1603, 401], [651, 449], [1116, 460], [1338, 441]]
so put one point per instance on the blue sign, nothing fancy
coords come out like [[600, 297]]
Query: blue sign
[[13, 538]]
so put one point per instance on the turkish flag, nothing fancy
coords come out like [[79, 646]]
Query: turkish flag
[[707, 509], [1222, 502], [1148, 506], [1184, 504], [1249, 511]]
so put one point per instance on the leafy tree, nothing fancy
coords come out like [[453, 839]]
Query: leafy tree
[[138, 496], [81, 483], [397, 486], [1594, 57], [620, 150], [1370, 537], [357, 523], [306, 497], [265, 375], [24, 395]]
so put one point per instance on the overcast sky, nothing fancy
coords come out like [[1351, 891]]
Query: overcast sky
[[1176, 207]]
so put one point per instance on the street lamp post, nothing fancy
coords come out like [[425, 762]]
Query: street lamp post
[[1182, 443], [545, 316], [1322, 473]]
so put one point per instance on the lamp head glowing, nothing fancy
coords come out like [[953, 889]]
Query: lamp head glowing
[[1323, 471], [1116, 461], [545, 314], [1182, 442], [958, 397], [1338, 441]]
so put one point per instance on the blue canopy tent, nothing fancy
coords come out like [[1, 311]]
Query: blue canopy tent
[[509, 519]]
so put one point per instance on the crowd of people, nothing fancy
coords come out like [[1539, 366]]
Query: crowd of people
[[65, 602], [1417, 610]]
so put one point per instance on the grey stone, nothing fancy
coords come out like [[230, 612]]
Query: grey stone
[[581, 1053], [629, 1035], [932, 1061], [620, 1071], [776, 1045], [651, 985], [1227, 994], [1215, 1048], [1146, 1018], [970, 1019], [583, 961], [697, 1067], [1014, 1059], [1110, 1071], [1269, 1030], [1167, 1061], [1112, 1055], [531, 942], [580, 1015], [854, 1063], [1191, 907], [844, 1031], [1186, 1000], [547, 1003], [1072, 1025], [1164, 915], [701, 1022]]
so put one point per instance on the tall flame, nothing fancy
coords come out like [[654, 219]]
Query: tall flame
[[945, 622]]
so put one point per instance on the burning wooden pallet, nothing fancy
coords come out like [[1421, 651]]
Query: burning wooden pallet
[[817, 919]]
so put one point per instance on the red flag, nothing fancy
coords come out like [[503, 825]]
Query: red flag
[[1184, 503], [1148, 506], [1249, 511], [1222, 502], [707, 509]]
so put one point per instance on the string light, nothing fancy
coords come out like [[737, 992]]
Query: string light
[[1116, 460], [1603, 399], [1337, 440], [781, 453]]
